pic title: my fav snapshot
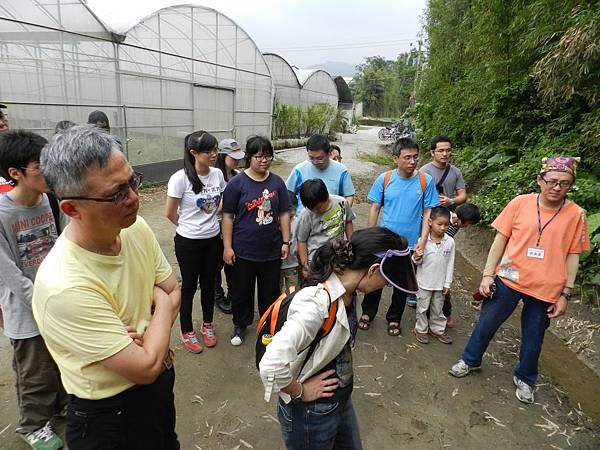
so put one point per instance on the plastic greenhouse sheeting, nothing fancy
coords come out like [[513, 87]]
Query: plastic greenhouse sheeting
[[180, 69]]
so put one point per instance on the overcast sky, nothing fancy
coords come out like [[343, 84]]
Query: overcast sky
[[304, 32]]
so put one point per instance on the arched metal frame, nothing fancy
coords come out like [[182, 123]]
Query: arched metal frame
[[180, 69]]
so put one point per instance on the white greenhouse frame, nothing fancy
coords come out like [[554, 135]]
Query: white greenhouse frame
[[180, 69]]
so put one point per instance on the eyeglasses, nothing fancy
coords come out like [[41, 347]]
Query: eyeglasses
[[32, 169], [553, 183], [318, 160], [214, 151], [120, 196], [409, 158], [263, 157]]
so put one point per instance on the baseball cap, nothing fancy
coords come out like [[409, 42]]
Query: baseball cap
[[397, 269], [230, 147], [2, 105]]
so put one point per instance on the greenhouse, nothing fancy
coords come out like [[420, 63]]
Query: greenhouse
[[317, 87], [182, 68], [285, 81]]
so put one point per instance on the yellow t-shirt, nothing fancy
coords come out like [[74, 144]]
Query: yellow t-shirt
[[82, 301]]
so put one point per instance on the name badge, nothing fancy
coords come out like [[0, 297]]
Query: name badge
[[534, 252]]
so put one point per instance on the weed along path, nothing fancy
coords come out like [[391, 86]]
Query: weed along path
[[403, 395]]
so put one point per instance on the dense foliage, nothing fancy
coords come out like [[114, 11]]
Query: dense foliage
[[512, 81], [294, 122], [384, 86]]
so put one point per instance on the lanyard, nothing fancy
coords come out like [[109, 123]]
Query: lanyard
[[540, 227]]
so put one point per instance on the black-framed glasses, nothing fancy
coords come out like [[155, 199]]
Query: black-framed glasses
[[118, 197], [263, 157], [553, 183], [211, 152]]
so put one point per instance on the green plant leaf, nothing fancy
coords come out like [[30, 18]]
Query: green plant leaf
[[593, 223]]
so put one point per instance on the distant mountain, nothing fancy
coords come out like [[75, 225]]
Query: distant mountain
[[336, 68]]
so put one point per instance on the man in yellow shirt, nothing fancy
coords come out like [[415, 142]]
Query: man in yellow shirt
[[105, 300]]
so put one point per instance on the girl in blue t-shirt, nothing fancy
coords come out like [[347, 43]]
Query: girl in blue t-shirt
[[256, 234]]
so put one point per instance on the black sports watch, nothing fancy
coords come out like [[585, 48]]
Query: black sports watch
[[566, 295]]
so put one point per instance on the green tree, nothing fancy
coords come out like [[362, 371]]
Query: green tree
[[384, 86]]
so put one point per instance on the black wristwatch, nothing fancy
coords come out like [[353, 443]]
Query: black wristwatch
[[566, 295], [288, 243]]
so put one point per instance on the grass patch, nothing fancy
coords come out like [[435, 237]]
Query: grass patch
[[376, 158], [150, 187]]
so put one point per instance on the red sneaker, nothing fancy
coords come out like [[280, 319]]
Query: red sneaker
[[208, 334], [190, 340]]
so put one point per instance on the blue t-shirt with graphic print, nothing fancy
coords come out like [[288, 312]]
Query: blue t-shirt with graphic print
[[404, 203], [335, 176], [256, 206]]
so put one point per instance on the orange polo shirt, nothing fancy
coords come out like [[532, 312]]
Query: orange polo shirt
[[545, 278]]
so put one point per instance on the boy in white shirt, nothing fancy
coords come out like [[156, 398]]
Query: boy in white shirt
[[435, 269]]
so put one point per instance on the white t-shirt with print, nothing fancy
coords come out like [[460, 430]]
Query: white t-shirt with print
[[197, 212]]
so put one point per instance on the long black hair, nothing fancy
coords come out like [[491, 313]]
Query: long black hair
[[358, 253], [199, 141], [220, 164]]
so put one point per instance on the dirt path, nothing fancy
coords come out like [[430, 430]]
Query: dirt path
[[403, 395]]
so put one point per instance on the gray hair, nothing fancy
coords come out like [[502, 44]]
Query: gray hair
[[70, 154]]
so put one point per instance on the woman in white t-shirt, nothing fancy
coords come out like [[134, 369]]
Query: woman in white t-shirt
[[193, 198]]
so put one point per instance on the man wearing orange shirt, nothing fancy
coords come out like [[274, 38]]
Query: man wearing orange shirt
[[534, 257]]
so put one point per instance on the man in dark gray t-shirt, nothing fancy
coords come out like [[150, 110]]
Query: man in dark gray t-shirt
[[453, 182]]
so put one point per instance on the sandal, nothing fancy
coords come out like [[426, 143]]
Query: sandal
[[364, 323], [393, 329]]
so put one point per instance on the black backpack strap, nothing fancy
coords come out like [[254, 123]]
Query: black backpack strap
[[55, 211], [439, 184], [313, 345]]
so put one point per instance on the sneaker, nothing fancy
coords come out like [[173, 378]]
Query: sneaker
[[238, 336], [423, 338], [43, 439], [224, 304], [524, 392], [208, 335], [443, 338], [411, 301], [461, 369], [450, 322], [190, 340]]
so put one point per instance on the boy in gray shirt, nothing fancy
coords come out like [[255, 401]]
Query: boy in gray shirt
[[28, 231], [324, 217]]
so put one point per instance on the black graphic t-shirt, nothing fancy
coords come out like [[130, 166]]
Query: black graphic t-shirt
[[256, 206]]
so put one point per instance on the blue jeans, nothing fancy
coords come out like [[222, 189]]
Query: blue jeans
[[319, 425], [494, 312]]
